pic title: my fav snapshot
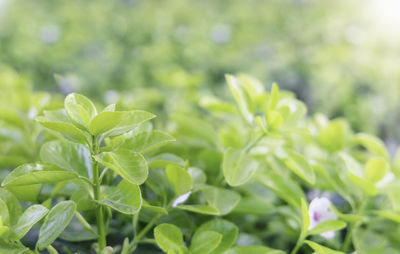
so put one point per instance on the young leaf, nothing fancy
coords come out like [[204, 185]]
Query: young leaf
[[168, 237], [29, 174], [240, 97], [253, 249], [373, 144], [130, 121], [55, 222], [29, 218], [80, 110], [129, 165], [13, 205], [326, 226], [305, 219], [376, 168], [146, 141], [298, 164], [365, 185], [179, 178], [69, 156], [125, 197], [205, 242], [228, 230], [238, 167], [105, 121], [4, 214], [222, 199], [322, 249]]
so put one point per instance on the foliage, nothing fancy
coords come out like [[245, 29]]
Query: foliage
[[234, 177]]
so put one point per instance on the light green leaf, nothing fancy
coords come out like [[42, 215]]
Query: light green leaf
[[299, 165], [4, 214], [162, 160], [146, 141], [105, 121], [69, 156], [80, 110], [125, 197], [322, 249], [168, 237], [55, 222], [253, 249], [240, 97], [179, 179], [326, 226], [365, 185], [376, 168], [13, 205], [203, 209], [228, 231], [131, 120], [305, 219], [372, 143], [238, 167], [195, 128], [205, 242], [29, 218], [57, 120], [391, 215], [283, 187], [129, 165], [222, 199], [274, 96], [29, 174]]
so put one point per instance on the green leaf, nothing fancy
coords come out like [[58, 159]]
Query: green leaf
[[13, 205], [162, 160], [228, 230], [4, 214], [334, 136], [365, 185], [274, 97], [69, 156], [29, 174], [80, 110], [222, 199], [131, 120], [29, 218], [253, 249], [205, 242], [373, 144], [129, 165], [146, 141], [9, 248], [238, 167], [125, 197], [55, 222], [58, 121], [305, 218], [322, 249], [240, 97], [195, 128], [376, 168], [168, 237], [299, 165], [105, 121], [387, 214], [179, 178], [326, 226], [203, 209], [283, 187]]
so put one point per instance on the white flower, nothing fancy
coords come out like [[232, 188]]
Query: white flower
[[181, 199], [319, 211]]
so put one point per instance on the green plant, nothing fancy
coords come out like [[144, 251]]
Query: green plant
[[236, 180]]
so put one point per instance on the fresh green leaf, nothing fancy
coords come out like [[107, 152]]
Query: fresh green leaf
[[80, 110], [205, 242], [125, 197], [373, 144], [299, 165], [105, 121], [131, 120], [238, 167], [326, 226], [240, 97], [29, 218], [55, 222], [179, 178], [322, 249], [305, 219], [168, 237], [376, 168], [146, 141], [253, 249], [129, 165]]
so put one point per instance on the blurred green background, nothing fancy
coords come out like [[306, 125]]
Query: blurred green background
[[341, 57]]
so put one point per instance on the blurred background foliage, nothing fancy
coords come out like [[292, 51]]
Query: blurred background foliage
[[340, 57]]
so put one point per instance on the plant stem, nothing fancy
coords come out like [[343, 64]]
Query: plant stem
[[143, 232], [96, 190], [299, 243], [352, 227]]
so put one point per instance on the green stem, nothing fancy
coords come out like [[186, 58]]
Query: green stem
[[143, 232], [299, 243], [96, 190], [352, 227]]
